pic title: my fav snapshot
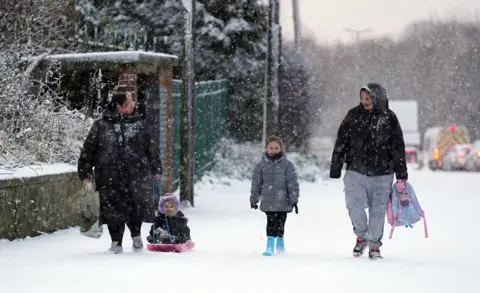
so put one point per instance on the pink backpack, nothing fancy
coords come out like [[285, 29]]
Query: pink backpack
[[403, 208]]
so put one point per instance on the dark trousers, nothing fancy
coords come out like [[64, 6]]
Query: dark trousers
[[276, 223], [117, 230]]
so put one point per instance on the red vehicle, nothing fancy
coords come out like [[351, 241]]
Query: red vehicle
[[411, 155]]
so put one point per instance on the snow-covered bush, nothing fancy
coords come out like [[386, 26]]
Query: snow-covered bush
[[36, 128], [236, 161]]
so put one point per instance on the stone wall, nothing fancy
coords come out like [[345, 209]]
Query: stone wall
[[35, 205]]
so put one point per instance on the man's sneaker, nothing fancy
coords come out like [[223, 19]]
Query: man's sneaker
[[137, 243], [359, 248], [374, 253], [115, 249]]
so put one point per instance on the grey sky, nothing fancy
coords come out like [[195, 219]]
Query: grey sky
[[326, 20]]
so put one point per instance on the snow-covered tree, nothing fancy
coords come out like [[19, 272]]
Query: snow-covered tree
[[36, 26], [230, 43], [236, 30], [295, 81], [36, 126]]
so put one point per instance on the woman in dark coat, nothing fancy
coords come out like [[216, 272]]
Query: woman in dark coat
[[125, 158]]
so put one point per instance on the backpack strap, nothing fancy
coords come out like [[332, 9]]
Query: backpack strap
[[425, 228], [395, 217], [391, 231]]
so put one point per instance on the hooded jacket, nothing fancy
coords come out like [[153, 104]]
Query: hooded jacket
[[370, 142], [274, 184]]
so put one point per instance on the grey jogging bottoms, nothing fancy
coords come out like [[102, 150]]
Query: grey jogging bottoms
[[372, 192]]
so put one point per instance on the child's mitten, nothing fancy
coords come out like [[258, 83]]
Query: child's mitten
[[150, 240]]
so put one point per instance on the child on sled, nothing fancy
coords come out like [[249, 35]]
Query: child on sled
[[170, 226], [275, 185]]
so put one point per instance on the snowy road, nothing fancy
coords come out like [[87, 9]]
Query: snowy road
[[230, 239]]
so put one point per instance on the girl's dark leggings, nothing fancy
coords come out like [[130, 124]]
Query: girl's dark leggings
[[276, 223], [117, 230]]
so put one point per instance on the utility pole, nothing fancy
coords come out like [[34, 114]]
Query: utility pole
[[271, 101], [296, 24], [187, 122]]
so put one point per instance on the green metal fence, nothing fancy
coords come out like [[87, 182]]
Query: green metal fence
[[211, 119]]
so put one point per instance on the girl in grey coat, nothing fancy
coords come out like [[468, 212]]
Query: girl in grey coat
[[275, 185]]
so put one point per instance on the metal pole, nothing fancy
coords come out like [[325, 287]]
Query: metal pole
[[268, 76], [184, 122], [296, 23], [271, 102], [188, 108], [191, 95], [275, 65], [265, 102]]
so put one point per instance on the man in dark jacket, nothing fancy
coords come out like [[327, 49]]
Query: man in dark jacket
[[370, 142], [125, 158]]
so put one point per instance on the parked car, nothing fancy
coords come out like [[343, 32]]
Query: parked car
[[413, 158], [456, 157]]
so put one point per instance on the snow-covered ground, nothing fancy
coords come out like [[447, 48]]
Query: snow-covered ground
[[230, 239]]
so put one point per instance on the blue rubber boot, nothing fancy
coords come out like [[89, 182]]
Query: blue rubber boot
[[280, 245], [270, 246]]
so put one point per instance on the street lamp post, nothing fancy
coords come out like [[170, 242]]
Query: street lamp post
[[271, 100], [296, 24], [188, 107]]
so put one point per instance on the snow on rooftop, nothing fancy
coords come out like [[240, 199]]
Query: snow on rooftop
[[118, 56]]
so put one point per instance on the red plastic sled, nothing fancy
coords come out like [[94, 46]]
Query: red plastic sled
[[171, 248]]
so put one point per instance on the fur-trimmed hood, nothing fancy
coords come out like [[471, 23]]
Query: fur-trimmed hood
[[168, 197]]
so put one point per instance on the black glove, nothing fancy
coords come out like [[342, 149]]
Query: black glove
[[335, 174], [295, 207], [254, 206], [149, 239]]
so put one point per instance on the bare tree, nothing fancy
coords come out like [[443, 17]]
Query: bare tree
[[36, 26], [436, 63]]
